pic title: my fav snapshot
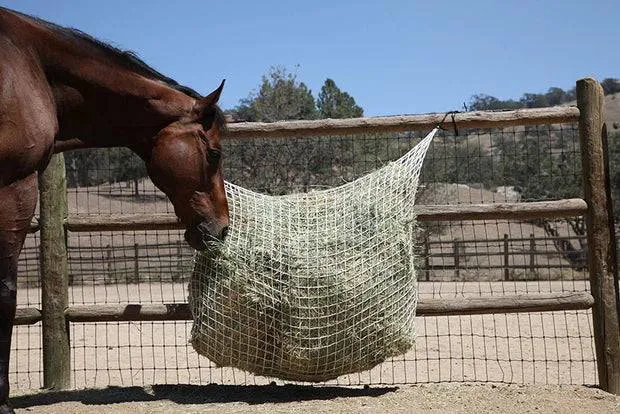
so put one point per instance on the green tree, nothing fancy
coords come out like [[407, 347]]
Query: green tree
[[542, 167], [280, 97], [85, 167], [556, 96], [483, 102], [127, 166], [534, 100], [610, 85], [334, 103]]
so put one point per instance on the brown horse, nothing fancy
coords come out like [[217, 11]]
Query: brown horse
[[61, 89]]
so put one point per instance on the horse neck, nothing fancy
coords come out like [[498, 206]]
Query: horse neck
[[99, 101], [104, 105]]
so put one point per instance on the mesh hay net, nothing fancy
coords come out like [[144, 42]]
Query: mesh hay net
[[311, 286]]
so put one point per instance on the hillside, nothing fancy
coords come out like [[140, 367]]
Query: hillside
[[612, 112]]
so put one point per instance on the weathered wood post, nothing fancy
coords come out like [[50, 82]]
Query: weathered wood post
[[532, 254], [54, 275], [136, 263], [506, 258], [600, 234], [427, 260], [457, 258]]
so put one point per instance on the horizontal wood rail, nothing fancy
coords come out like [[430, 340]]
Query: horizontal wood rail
[[502, 211], [495, 211], [426, 307], [403, 123]]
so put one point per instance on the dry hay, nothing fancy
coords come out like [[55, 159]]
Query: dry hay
[[308, 287]]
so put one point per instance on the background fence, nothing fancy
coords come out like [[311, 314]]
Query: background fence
[[506, 258], [459, 259]]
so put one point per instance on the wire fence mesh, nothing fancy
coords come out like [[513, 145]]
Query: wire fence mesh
[[457, 259]]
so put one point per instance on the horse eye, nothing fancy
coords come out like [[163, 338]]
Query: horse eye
[[213, 157]]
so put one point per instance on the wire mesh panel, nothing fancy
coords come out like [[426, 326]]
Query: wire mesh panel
[[456, 259], [26, 366]]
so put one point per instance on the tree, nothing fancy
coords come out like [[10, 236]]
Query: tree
[[534, 100], [334, 103], [85, 167], [280, 97], [88, 167], [556, 96], [610, 85], [544, 169], [483, 102], [127, 167]]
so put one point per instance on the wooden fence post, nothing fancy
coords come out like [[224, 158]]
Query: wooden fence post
[[506, 258], [457, 258], [601, 262], [136, 263], [109, 276], [532, 254], [54, 275], [427, 260]]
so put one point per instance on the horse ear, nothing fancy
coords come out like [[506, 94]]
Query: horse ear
[[213, 97]]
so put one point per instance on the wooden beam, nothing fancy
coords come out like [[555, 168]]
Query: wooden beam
[[403, 123], [130, 312], [123, 222], [54, 276], [505, 304], [426, 307], [27, 316], [599, 224], [457, 212], [502, 211]]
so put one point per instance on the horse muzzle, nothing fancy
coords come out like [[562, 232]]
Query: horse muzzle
[[204, 234]]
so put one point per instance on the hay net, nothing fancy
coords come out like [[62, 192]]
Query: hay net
[[311, 286]]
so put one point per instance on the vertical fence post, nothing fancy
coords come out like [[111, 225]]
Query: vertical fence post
[[54, 275], [506, 259], [457, 258], [427, 260], [136, 263], [109, 277], [600, 234], [532, 253]]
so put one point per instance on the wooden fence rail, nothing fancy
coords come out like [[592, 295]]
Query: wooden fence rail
[[426, 307], [497, 211], [169, 262]]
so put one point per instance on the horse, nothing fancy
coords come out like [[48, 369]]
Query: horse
[[62, 89]]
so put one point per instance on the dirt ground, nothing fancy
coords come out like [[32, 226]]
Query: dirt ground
[[436, 398]]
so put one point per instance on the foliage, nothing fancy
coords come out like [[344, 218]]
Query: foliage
[[90, 167], [457, 160], [483, 102], [334, 103], [610, 85], [539, 166], [280, 97], [553, 96]]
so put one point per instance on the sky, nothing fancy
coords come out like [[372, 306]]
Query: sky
[[393, 57]]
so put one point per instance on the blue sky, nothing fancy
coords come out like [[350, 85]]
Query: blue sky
[[393, 57]]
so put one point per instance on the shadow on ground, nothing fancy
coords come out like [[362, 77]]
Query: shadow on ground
[[196, 394]]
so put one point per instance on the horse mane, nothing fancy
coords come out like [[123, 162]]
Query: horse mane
[[126, 58]]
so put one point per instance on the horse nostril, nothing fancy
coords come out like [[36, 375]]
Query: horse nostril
[[224, 233]]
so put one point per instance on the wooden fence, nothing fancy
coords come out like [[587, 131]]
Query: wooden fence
[[168, 262], [54, 225]]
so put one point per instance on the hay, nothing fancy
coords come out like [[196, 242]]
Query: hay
[[308, 287]]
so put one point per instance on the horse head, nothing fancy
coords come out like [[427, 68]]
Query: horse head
[[185, 163]]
